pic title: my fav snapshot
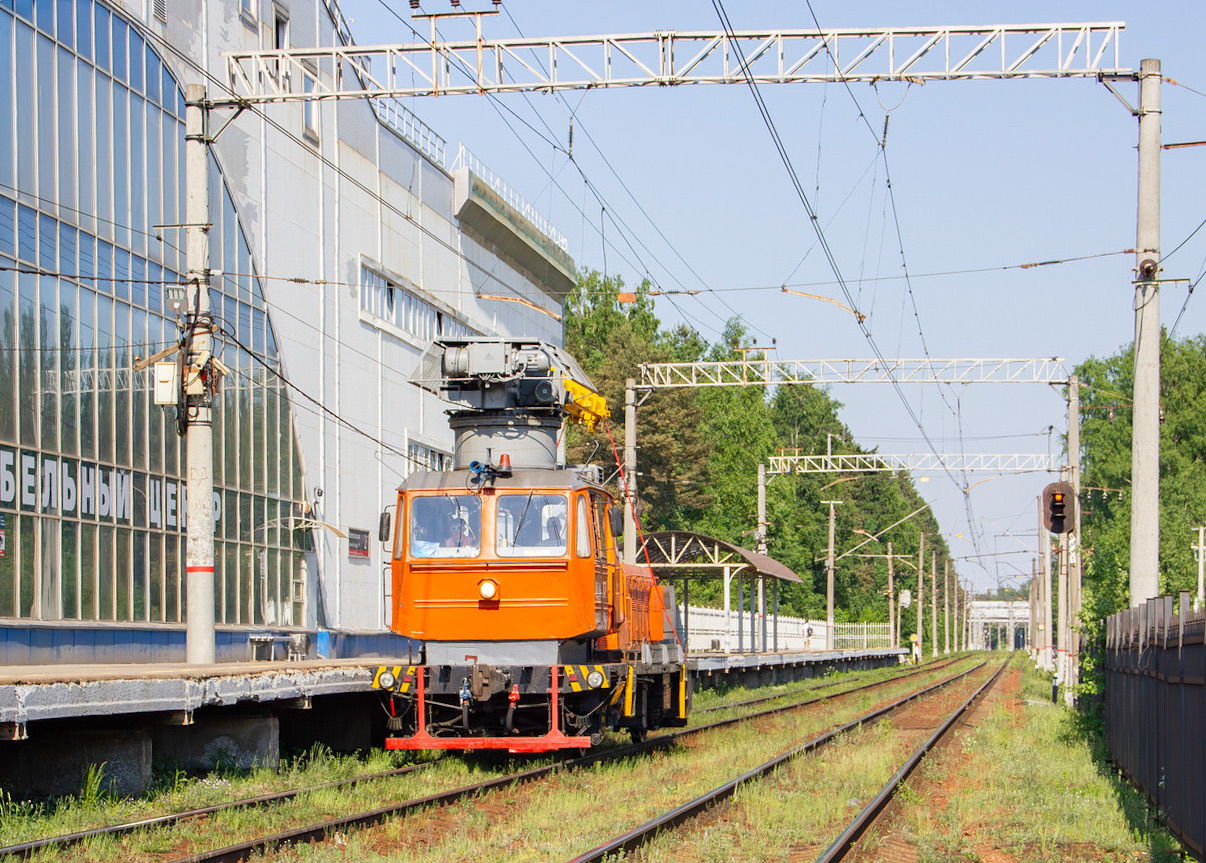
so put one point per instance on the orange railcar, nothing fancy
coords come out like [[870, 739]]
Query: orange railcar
[[536, 636]]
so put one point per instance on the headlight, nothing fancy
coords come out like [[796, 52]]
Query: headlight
[[488, 589], [386, 680], [595, 679]]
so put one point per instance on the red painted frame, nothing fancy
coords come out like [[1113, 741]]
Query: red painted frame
[[555, 739]]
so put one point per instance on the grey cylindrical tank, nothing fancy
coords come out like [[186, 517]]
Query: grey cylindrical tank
[[530, 441]]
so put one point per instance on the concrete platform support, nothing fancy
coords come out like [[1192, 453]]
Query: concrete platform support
[[238, 742], [46, 767], [343, 724]]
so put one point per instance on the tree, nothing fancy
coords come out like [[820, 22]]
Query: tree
[[699, 451]]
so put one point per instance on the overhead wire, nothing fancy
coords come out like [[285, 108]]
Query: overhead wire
[[622, 231], [831, 259], [882, 145], [573, 114]]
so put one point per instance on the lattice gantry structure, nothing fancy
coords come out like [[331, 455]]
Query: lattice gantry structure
[[997, 624], [667, 58]]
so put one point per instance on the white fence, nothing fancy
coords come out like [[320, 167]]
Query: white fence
[[713, 630]]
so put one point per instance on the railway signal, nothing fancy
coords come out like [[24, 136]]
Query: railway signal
[[1059, 507]]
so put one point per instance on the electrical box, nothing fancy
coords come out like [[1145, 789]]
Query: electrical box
[[167, 383]]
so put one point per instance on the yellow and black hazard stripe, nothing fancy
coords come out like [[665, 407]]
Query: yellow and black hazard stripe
[[400, 682], [577, 677]]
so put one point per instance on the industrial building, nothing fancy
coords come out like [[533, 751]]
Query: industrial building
[[345, 236]]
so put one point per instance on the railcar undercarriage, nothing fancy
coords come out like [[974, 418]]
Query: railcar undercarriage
[[527, 708]]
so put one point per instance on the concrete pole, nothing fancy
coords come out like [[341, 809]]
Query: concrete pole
[[761, 546], [829, 567], [1145, 430], [775, 602], [956, 612], [933, 603], [728, 610], [740, 613], [199, 644], [1074, 567], [1033, 644], [946, 607], [1061, 663], [1048, 594], [761, 538], [920, 593], [630, 533], [1201, 554], [892, 634]]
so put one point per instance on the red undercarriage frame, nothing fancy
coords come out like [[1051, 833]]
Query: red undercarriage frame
[[553, 740]]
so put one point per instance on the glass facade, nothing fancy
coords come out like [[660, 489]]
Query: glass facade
[[92, 501]]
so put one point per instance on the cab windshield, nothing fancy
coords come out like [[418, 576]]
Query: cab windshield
[[448, 525], [531, 525]]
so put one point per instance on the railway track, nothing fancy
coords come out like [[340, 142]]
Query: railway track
[[320, 831], [922, 669], [640, 836]]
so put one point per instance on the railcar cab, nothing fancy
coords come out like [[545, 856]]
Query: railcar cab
[[526, 557]]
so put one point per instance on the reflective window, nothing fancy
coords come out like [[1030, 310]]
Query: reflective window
[[88, 607], [118, 39], [530, 525], [121, 150], [27, 233], [84, 143], [83, 28], [8, 359], [151, 67], [104, 144], [25, 105], [6, 103], [48, 343], [45, 119], [66, 108], [137, 49], [448, 525], [44, 12], [70, 577], [101, 29], [66, 22], [138, 192], [8, 227], [47, 248]]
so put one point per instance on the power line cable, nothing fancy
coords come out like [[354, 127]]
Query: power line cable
[[781, 149]]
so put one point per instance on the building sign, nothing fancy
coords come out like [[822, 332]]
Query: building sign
[[358, 543], [39, 483]]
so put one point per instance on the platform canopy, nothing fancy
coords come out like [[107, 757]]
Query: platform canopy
[[681, 553]]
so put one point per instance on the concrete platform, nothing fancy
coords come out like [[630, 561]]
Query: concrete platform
[[239, 714], [35, 693]]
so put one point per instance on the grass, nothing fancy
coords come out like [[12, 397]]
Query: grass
[[1029, 787], [515, 824]]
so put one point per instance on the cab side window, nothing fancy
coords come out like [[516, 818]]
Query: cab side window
[[582, 528]]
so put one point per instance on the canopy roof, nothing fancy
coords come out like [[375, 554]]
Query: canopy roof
[[681, 552]]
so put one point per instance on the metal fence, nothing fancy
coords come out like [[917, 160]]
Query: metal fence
[[715, 629], [1155, 708]]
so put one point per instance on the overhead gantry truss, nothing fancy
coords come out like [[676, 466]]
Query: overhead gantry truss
[[770, 372], [921, 462], [667, 58]]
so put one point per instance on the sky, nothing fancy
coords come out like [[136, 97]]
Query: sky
[[686, 188]]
